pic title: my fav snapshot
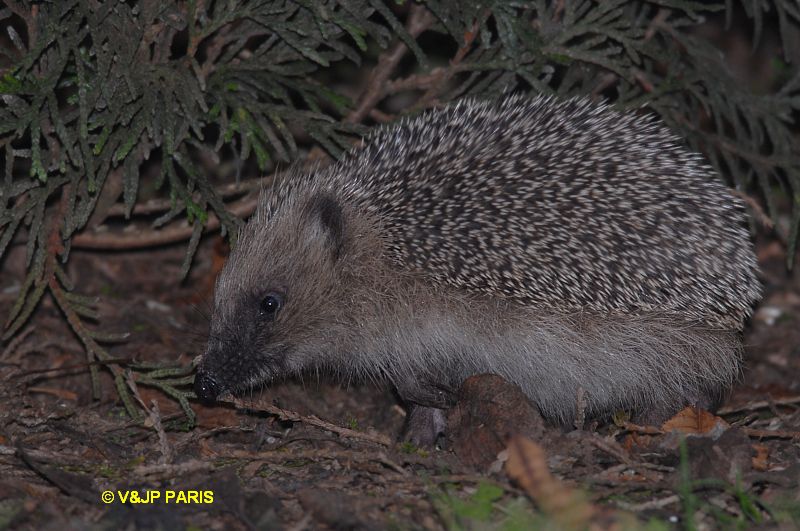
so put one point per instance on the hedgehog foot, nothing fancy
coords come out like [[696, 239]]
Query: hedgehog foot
[[423, 426]]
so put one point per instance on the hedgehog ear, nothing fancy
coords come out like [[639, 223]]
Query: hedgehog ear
[[326, 213]]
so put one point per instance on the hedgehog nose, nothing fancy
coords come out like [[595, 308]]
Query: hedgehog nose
[[206, 388]]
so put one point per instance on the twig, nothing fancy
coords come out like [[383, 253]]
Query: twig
[[606, 80], [644, 82], [762, 404], [15, 342], [171, 471], [285, 414], [613, 449], [651, 504], [381, 117], [580, 407], [58, 393], [317, 454], [384, 460], [163, 441], [112, 189], [464, 478], [421, 81], [157, 206], [750, 432], [559, 10], [647, 430], [445, 74], [771, 434], [657, 22], [176, 232], [419, 19], [758, 212], [303, 524]]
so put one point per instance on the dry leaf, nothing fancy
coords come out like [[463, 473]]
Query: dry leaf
[[696, 422], [760, 460], [637, 440], [527, 465]]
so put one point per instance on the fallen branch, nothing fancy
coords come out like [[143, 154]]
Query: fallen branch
[[285, 414]]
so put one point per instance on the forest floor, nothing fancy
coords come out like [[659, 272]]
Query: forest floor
[[332, 462]]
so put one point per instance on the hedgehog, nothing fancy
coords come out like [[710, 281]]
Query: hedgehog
[[565, 246]]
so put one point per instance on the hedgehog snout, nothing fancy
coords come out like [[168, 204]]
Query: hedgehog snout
[[206, 387]]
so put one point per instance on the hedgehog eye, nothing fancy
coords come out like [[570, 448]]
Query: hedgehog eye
[[269, 305]]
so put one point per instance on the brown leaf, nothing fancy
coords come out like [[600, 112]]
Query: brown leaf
[[696, 422], [761, 459], [637, 441], [527, 466]]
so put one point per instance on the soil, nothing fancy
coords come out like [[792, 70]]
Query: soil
[[315, 455]]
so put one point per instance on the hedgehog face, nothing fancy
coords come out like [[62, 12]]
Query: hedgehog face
[[277, 297]]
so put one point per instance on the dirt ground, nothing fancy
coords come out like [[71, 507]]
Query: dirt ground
[[330, 461]]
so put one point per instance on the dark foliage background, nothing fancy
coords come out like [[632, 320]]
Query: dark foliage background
[[161, 116]]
